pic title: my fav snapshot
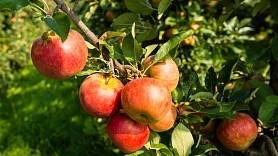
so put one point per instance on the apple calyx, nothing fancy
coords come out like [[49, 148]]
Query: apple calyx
[[48, 35]]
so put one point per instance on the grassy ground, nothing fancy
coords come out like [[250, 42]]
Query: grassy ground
[[39, 116]]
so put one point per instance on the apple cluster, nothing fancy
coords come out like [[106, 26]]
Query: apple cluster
[[133, 109]]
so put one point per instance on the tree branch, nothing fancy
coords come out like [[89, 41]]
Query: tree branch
[[77, 22]]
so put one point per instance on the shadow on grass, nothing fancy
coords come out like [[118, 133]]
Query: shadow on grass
[[39, 116]]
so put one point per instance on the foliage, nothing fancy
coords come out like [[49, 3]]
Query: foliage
[[213, 43]]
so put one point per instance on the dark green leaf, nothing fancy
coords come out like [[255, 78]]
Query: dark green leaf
[[225, 74], [148, 35], [274, 10], [117, 53], [139, 6], [202, 95], [225, 107], [264, 90], [170, 45], [163, 6], [240, 95], [60, 23], [240, 105], [131, 49], [267, 109], [193, 118], [126, 20], [230, 6], [13, 4], [221, 115], [274, 47], [211, 80], [203, 149], [260, 7], [193, 78], [182, 140]]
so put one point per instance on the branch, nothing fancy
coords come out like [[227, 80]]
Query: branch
[[77, 22]]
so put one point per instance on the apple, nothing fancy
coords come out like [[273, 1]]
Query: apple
[[146, 100], [208, 128], [110, 15], [56, 59], [243, 84], [166, 71], [167, 122], [169, 32], [194, 26], [127, 134], [237, 134], [188, 41], [155, 3], [100, 95]]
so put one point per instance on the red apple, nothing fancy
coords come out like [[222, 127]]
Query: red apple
[[127, 134], [237, 134], [166, 71], [209, 128], [167, 122], [56, 59], [146, 100], [100, 95]]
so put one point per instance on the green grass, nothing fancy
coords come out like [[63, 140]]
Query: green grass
[[39, 116]]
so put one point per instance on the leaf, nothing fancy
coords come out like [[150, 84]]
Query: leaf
[[126, 20], [264, 89], [203, 149], [153, 139], [163, 6], [148, 35], [117, 53], [171, 44], [267, 109], [13, 4], [225, 107], [150, 49], [132, 51], [143, 7], [260, 7], [274, 47], [211, 80], [182, 140], [225, 74], [202, 95], [274, 10], [230, 6], [60, 23]]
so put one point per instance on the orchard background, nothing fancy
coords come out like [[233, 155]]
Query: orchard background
[[218, 46]]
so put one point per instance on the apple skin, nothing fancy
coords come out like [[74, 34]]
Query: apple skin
[[257, 76], [99, 96], [146, 100], [167, 122], [56, 59], [237, 134], [127, 134], [166, 71]]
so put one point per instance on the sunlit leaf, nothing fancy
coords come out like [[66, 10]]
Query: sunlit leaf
[[139, 6], [13, 4], [125, 20]]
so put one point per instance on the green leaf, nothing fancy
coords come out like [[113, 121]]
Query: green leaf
[[131, 49], [264, 89], [126, 20], [230, 6], [143, 7], [201, 95], [273, 9], [267, 109], [153, 139], [261, 7], [171, 44], [211, 80], [203, 149], [225, 107], [274, 47], [150, 49], [225, 74], [13, 4], [182, 140], [163, 6], [148, 35], [117, 53], [60, 23]]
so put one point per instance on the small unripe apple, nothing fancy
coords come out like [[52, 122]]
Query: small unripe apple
[[166, 71], [155, 3], [56, 59], [100, 95], [257, 76], [167, 122], [127, 134], [237, 134], [146, 100]]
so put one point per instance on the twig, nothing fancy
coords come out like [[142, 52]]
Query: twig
[[77, 22], [75, 6]]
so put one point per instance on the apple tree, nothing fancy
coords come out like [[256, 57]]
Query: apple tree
[[169, 77]]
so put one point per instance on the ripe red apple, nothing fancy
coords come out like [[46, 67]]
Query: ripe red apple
[[169, 32], [56, 59], [237, 134], [127, 134], [100, 95], [209, 128], [167, 122], [166, 71], [146, 100]]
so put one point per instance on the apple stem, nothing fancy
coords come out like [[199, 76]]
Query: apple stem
[[108, 78]]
